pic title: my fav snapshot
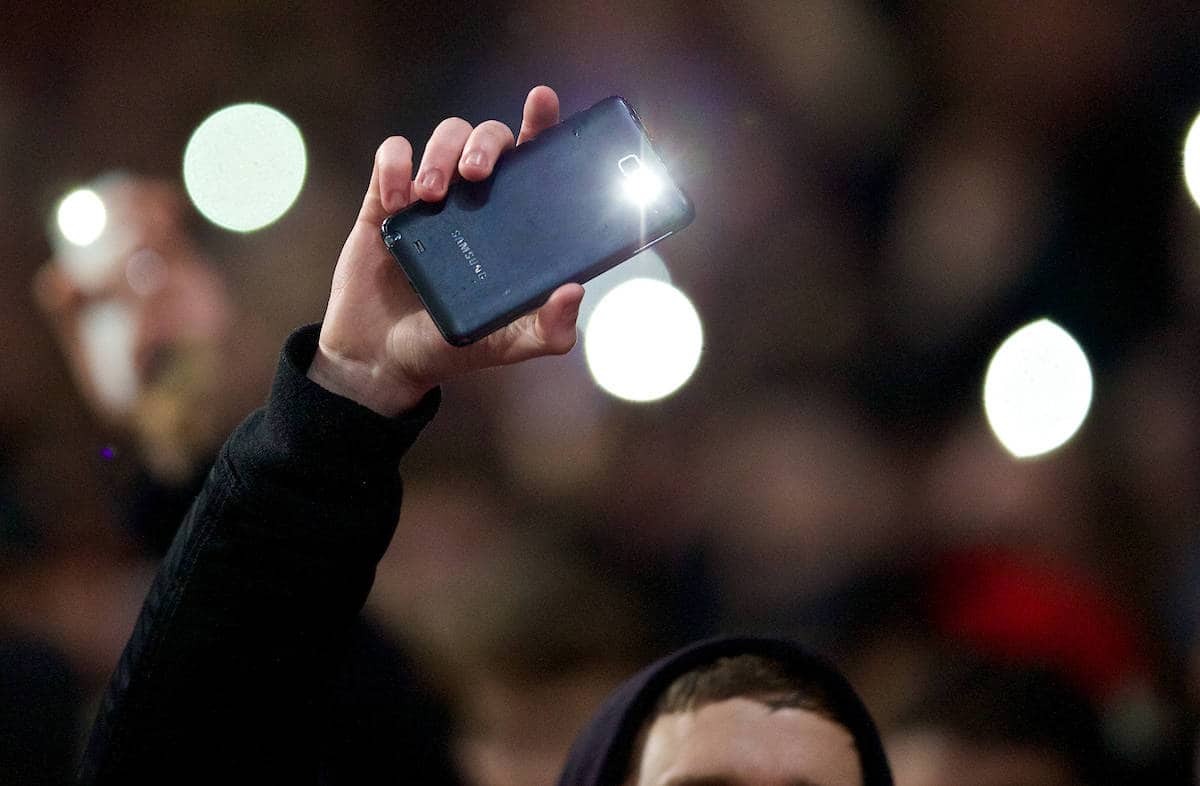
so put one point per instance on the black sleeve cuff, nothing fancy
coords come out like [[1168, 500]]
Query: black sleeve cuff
[[307, 421]]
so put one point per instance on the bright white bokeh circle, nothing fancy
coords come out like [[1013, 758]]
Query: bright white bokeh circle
[[1191, 161], [647, 264], [82, 217], [244, 166], [643, 340], [1038, 389]]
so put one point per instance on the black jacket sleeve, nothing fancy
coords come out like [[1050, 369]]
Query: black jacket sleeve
[[227, 670]]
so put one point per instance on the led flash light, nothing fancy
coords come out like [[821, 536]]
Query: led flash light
[[640, 184]]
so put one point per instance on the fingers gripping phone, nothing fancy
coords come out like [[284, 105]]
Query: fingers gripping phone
[[582, 197]]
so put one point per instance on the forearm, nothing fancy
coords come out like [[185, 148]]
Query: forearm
[[246, 618]]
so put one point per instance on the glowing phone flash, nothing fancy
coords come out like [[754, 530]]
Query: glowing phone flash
[[641, 185]]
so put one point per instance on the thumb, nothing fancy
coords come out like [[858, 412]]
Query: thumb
[[391, 182], [548, 331], [554, 323]]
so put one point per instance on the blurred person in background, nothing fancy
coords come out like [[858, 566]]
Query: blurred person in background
[[165, 358], [521, 626], [987, 724], [1006, 665], [523, 619], [787, 474], [531, 647], [154, 343]]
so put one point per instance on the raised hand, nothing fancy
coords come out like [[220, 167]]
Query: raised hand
[[378, 345]]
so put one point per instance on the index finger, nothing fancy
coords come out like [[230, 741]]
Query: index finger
[[541, 112], [390, 185]]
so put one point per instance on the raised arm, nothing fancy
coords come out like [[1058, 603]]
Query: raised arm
[[227, 669]]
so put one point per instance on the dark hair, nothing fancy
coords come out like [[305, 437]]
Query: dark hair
[[759, 678], [756, 677]]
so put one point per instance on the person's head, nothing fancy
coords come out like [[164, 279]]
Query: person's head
[[526, 649], [146, 321], [745, 719], [731, 712]]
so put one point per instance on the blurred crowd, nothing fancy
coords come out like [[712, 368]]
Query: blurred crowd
[[883, 192]]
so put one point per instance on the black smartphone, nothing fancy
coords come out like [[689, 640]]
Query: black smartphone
[[584, 196]]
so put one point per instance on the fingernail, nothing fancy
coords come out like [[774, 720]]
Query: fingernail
[[474, 159], [431, 179]]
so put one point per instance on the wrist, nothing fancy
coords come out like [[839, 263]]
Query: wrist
[[364, 383]]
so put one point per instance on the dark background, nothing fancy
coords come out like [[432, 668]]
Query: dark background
[[883, 193]]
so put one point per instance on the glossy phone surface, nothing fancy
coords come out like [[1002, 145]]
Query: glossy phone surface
[[585, 195]]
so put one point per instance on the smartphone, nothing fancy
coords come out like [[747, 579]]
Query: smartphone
[[582, 197]]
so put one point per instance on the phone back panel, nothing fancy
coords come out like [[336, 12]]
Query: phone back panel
[[554, 210]]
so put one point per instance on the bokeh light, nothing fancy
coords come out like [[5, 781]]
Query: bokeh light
[[1038, 389], [82, 217], [1191, 161], [643, 340], [647, 264], [244, 166]]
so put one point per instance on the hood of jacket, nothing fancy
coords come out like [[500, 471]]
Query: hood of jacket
[[601, 754]]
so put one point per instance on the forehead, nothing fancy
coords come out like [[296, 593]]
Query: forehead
[[740, 742]]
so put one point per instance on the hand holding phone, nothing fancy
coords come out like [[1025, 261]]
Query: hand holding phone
[[378, 345], [587, 194]]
